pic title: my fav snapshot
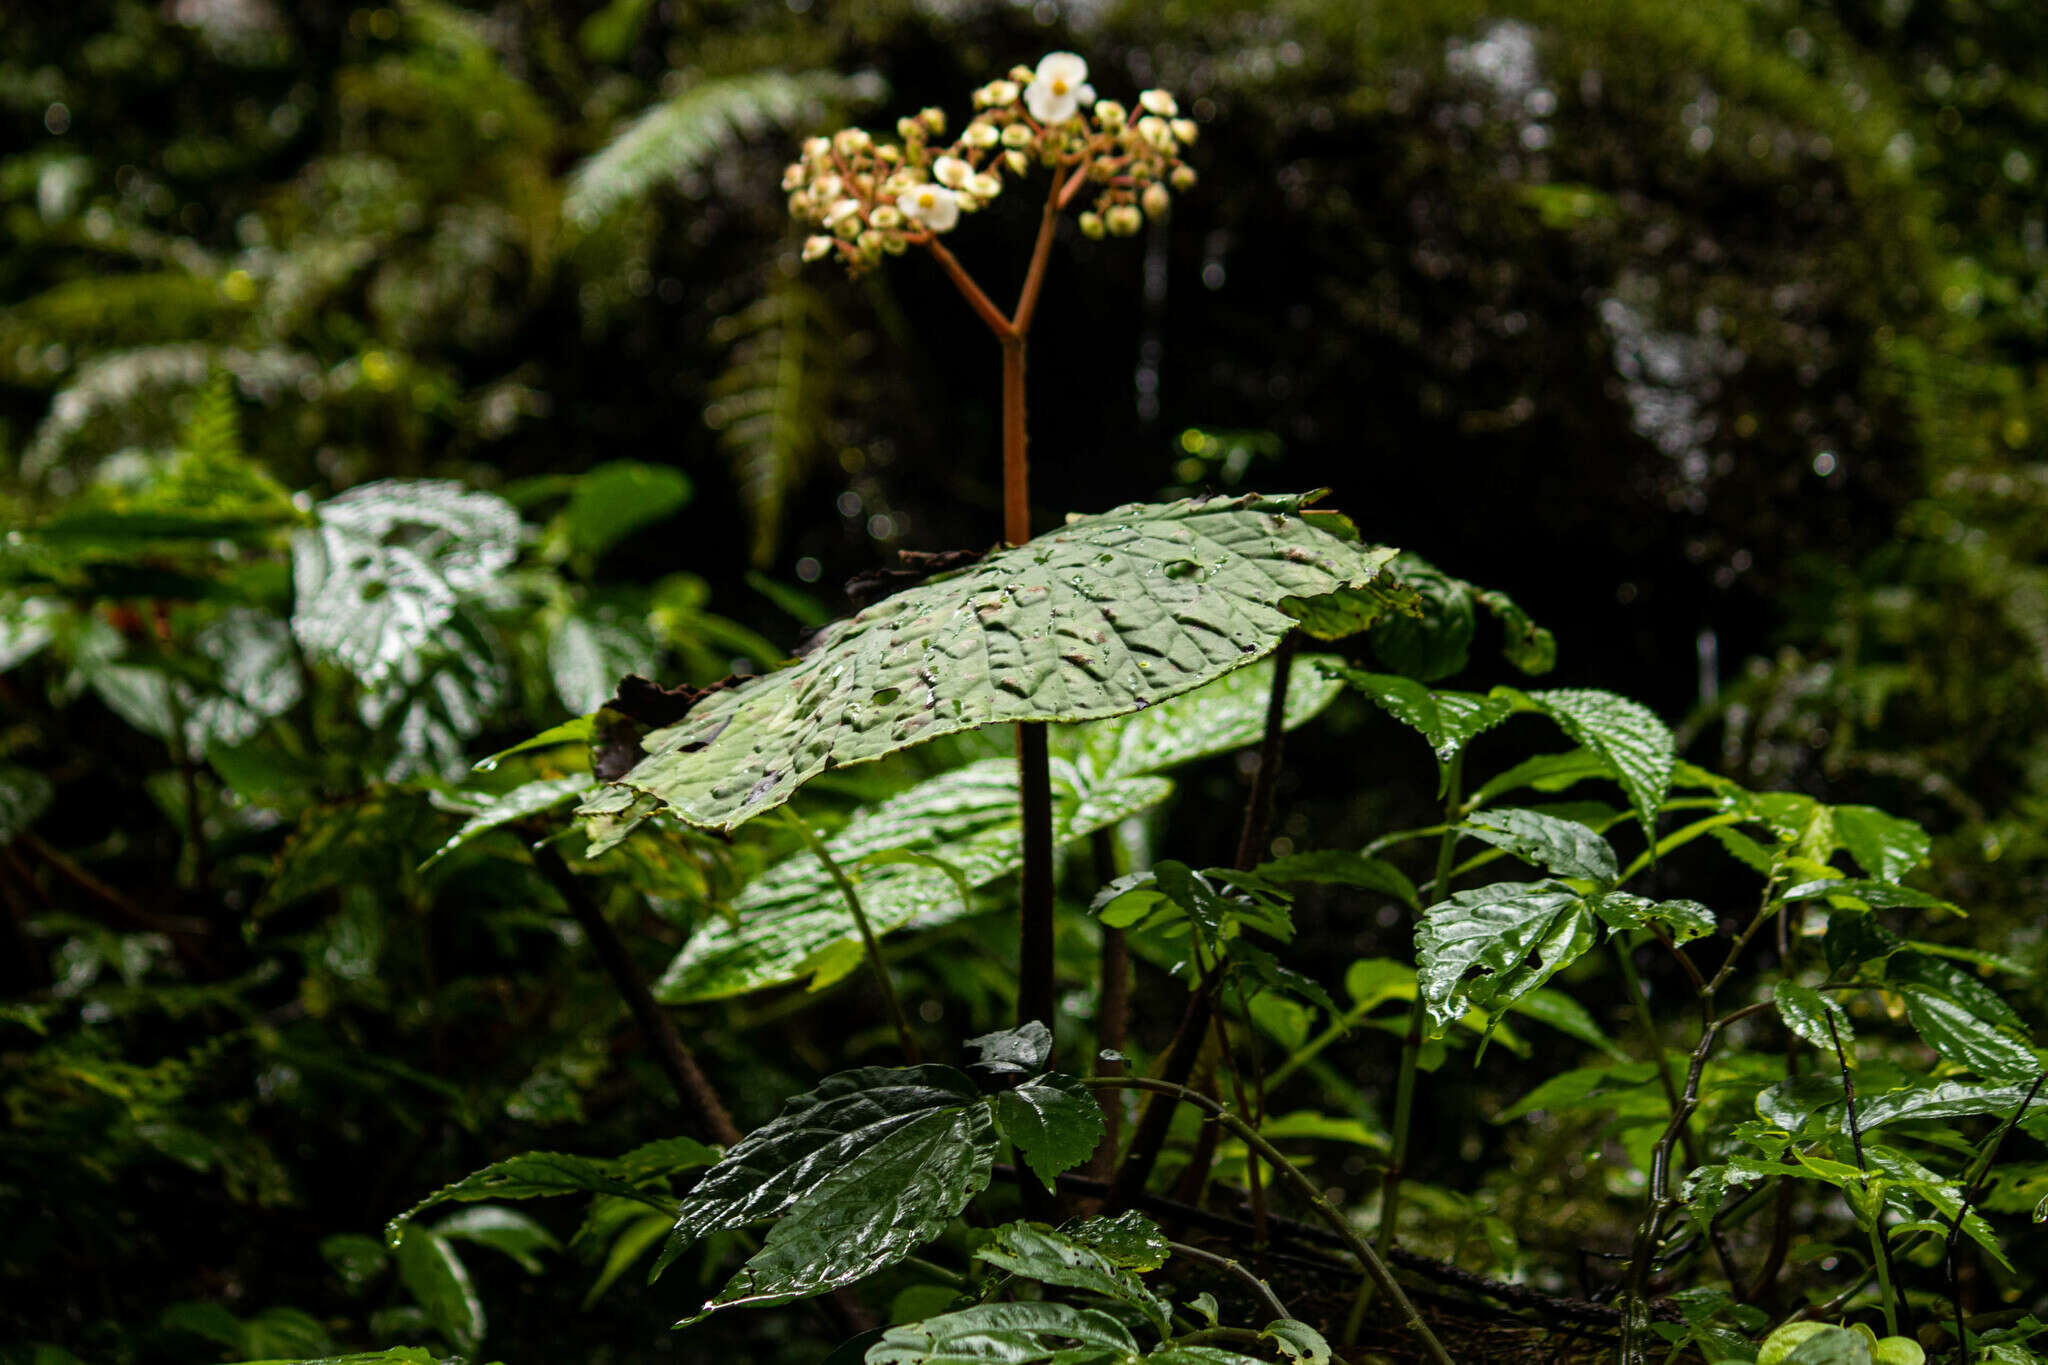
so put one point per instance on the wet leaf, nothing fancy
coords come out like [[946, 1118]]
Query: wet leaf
[[437, 1278], [1884, 846], [527, 799], [1564, 848], [1020, 1051], [1128, 1239], [1807, 1013], [1446, 720], [1109, 615], [1957, 1033], [1054, 1121], [537, 1175], [1012, 1333], [1037, 1252], [1486, 948], [1635, 744]]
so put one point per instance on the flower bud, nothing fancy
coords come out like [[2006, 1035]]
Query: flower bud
[[817, 248], [1002, 93], [1183, 178], [793, 175], [910, 130], [1158, 102], [1110, 115], [934, 119], [887, 217], [827, 187], [968, 203], [1091, 225], [800, 206], [896, 185], [985, 186], [847, 227], [980, 135], [1017, 162], [816, 147], [1124, 220], [1157, 133], [895, 243], [851, 142], [1185, 130], [1023, 75], [1016, 135], [1156, 201], [952, 172]]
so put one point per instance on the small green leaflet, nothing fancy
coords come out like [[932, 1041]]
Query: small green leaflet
[[1487, 948], [862, 1171], [1010, 1333], [1877, 895], [1109, 615], [1447, 721], [534, 1175], [1687, 920], [531, 798], [1020, 1051], [1298, 1341], [1037, 1252], [1884, 846], [1807, 1013], [509, 1231], [1054, 1121], [1129, 1239], [1635, 744], [1564, 848]]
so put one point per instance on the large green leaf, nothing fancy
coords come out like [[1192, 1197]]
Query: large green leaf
[[1809, 1015], [1959, 1034], [1883, 845], [1109, 615], [1054, 1121], [1006, 1334], [1037, 1252], [862, 1171], [1486, 948], [1215, 718], [1941, 1100], [792, 921]]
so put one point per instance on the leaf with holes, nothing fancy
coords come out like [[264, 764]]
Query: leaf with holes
[[792, 922], [1012, 1333], [1109, 615], [862, 1171], [1037, 1252], [1054, 1121], [1489, 947], [1564, 848]]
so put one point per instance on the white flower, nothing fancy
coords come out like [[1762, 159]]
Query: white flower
[[1059, 88], [952, 172], [932, 207], [817, 248], [1159, 102], [841, 209]]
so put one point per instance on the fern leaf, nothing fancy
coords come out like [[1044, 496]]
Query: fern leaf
[[685, 133], [213, 433], [771, 403]]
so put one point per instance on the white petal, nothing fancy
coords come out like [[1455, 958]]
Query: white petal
[[1047, 106]]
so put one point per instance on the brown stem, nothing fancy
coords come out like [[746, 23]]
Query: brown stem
[[1041, 254], [982, 305], [1157, 1115], [1112, 1011], [670, 1051], [1258, 810], [1260, 1290]]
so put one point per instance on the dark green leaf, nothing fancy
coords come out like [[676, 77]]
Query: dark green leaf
[[1487, 948], [501, 1229], [1565, 848], [397, 1355], [1807, 1013], [1884, 846], [1447, 721], [1923, 971], [1109, 615], [1054, 1121], [614, 500], [1128, 1239], [528, 799], [1526, 646], [1544, 773], [1958, 1034], [1435, 640], [1877, 895], [436, 1277], [1009, 1333], [862, 1170], [1686, 920], [1037, 1252], [1940, 1100], [534, 1175], [1336, 867]]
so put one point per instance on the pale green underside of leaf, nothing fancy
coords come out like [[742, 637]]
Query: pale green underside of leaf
[[792, 921], [1109, 615], [528, 799]]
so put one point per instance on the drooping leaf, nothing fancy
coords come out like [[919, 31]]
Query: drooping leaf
[[1020, 1051], [1034, 1333], [1808, 1013], [1037, 1252], [437, 1278], [534, 1175], [1488, 947], [504, 1230], [527, 799], [1109, 615], [382, 569], [1338, 867], [792, 921], [1434, 640], [1686, 920], [1885, 846], [1636, 745], [862, 1170], [1940, 1100], [1447, 721], [1564, 848], [1527, 646]]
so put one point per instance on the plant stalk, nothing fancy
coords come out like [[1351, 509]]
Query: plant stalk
[[850, 893], [691, 1085]]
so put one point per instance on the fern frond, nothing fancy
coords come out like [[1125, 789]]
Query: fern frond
[[771, 403], [685, 133], [213, 432]]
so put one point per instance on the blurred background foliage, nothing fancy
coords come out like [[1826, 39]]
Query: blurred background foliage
[[1712, 329]]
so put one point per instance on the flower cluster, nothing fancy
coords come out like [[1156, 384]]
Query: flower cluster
[[869, 197]]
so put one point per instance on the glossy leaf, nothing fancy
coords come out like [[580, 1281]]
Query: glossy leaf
[[527, 799], [1878, 895], [1686, 920], [534, 1175], [1447, 721], [1337, 867], [1635, 744], [380, 572], [1020, 1051], [1128, 1239], [1564, 848], [792, 921], [1960, 1035], [862, 1170], [1037, 1252], [437, 1278], [1009, 1333], [1434, 639], [503, 1230], [1487, 948], [1109, 615], [1054, 1121], [1940, 1100], [1885, 846], [1807, 1013], [1217, 717]]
